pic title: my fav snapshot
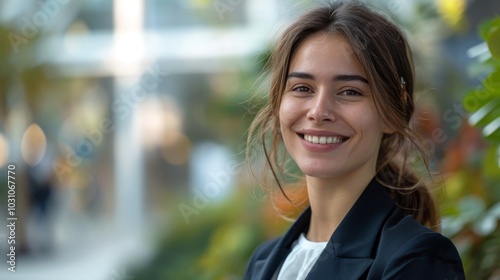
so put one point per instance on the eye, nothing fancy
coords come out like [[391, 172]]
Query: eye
[[350, 92], [301, 89]]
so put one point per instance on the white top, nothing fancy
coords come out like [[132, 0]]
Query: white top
[[301, 259]]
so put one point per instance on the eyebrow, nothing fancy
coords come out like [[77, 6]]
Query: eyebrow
[[350, 78], [336, 78]]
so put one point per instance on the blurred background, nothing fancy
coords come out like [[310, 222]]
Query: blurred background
[[126, 122]]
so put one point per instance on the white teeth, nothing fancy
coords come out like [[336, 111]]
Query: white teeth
[[323, 139]]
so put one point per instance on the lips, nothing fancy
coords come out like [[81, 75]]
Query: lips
[[315, 139]]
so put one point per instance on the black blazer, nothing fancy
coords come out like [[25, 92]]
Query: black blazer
[[375, 240]]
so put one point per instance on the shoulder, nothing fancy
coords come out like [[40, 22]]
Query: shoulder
[[408, 250], [262, 252], [428, 254], [400, 228]]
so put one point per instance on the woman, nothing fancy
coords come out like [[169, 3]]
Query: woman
[[341, 101]]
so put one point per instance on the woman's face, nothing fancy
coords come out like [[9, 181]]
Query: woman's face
[[328, 119]]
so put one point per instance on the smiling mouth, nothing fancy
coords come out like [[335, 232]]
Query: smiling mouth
[[323, 139]]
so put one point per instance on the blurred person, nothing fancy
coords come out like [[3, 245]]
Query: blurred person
[[40, 193], [341, 102]]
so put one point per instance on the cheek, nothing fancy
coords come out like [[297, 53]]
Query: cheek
[[375, 129], [370, 123], [286, 114]]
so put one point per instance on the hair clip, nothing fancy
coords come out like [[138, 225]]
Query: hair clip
[[403, 84]]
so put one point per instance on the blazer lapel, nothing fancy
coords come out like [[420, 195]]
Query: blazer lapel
[[351, 249], [349, 252], [284, 246]]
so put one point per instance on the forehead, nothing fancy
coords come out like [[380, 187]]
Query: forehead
[[324, 53]]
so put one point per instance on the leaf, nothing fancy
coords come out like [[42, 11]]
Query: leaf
[[494, 42], [498, 156], [491, 167], [488, 117], [481, 113], [487, 27], [492, 83], [484, 103], [482, 94], [491, 129]]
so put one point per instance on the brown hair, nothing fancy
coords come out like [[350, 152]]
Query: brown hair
[[383, 51]]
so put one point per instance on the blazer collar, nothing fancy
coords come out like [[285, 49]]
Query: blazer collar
[[351, 245], [358, 231]]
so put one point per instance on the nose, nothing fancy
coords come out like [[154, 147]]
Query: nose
[[321, 109]]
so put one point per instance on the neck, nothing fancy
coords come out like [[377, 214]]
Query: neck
[[330, 200]]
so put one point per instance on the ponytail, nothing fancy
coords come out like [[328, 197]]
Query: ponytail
[[395, 173]]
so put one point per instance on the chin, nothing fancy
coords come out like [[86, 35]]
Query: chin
[[319, 172]]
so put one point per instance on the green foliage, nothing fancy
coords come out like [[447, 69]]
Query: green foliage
[[472, 207], [490, 32], [484, 101]]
